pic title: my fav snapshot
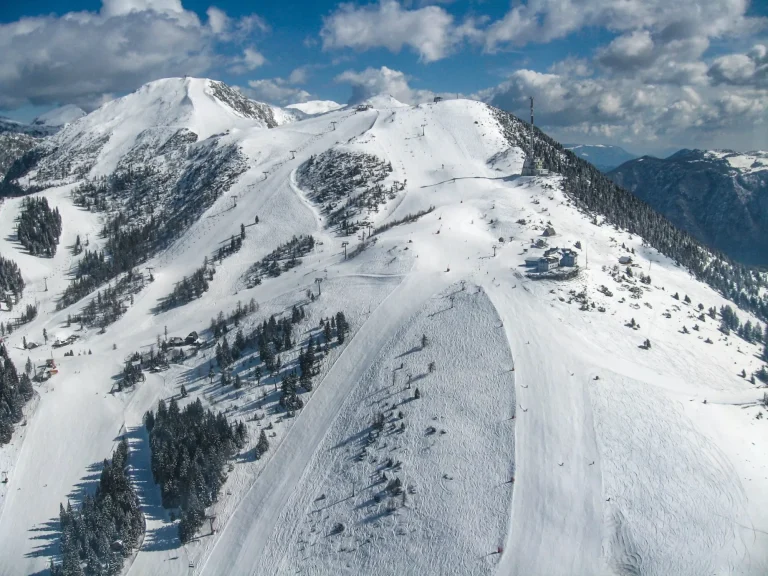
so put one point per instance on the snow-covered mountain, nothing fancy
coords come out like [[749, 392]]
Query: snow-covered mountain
[[314, 107], [45, 124], [603, 156], [719, 196], [9, 126], [59, 116], [477, 418], [13, 145]]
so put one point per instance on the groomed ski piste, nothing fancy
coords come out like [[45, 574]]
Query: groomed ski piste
[[545, 441]]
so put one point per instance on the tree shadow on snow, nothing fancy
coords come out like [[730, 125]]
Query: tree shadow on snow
[[162, 537], [47, 533]]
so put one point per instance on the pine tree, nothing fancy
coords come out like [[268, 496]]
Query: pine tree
[[262, 446], [765, 344], [28, 367]]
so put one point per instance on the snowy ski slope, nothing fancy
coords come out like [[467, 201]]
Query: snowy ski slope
[[567, 449]]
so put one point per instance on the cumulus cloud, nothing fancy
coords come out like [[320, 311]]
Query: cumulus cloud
[[541, 21], [81, 56], [430, 30], [276, 91], [629, 51], [749, 69], [248, 61], [373, 81], [627, 108]]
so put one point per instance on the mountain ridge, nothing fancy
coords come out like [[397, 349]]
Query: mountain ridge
[[720, 196], [604, 157]]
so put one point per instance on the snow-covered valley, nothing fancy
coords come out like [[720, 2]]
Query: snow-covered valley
[[544, 440]]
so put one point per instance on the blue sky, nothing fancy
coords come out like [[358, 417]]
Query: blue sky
[[650, 75]]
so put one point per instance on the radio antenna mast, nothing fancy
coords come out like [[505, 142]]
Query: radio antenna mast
[[531, 126]]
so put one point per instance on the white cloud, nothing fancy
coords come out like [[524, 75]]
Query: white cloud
[[217, 20], [629, 109], [373, 81], [299, 75], [430, 31], [121, 7], [629, 51], [250, 60], [541, 21], [276, 91], [81, 56], [742, 69]]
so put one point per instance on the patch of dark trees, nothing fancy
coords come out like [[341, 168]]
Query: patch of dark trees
[[99, 534], [730, 322], [147, 209], [230, 247], [594, 194], [407, 219], [11, 282], [345, 184], [19, 168], [110, 303], [281, 259], [39, 227], [190, 448], [15, 391], [189, 288]]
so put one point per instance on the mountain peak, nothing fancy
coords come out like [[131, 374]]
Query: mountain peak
[[314, 107], [59, 116]]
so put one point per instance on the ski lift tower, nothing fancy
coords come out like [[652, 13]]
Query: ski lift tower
[[533, 166]]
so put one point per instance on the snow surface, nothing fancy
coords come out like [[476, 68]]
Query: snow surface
[[745, 163], [619, 466], [314, 107]]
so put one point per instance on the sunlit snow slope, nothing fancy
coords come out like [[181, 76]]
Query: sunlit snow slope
[[544, 441]]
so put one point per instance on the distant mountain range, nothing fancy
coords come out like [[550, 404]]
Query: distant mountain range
[[719, 196], [602, 156]]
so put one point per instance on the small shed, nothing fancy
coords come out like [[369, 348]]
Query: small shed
[[192, 337], [625, 260], [363, 107], [438, 99], [549, 231], [532, 261], [175, 341]]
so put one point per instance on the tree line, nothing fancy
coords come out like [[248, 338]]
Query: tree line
[[11, 282], [15, 391]]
